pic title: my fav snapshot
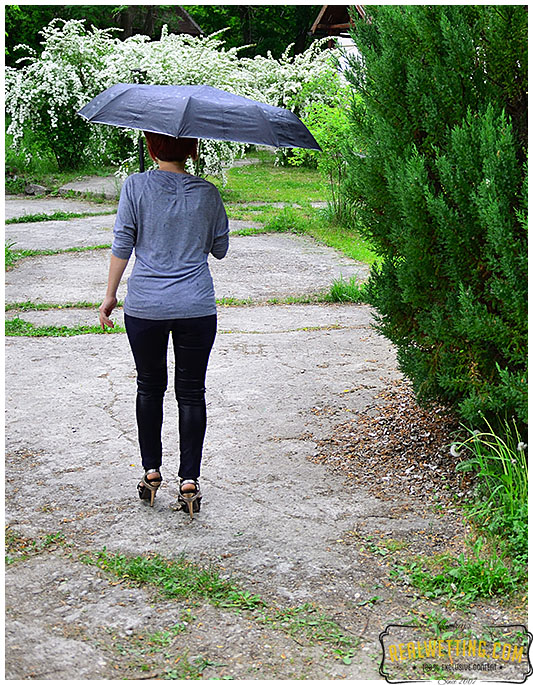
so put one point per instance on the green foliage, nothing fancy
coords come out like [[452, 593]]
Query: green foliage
[[329, 122], [441, 194], [268, 182], [348, 291], [265, 27], [10, 255], [13, 256], [462, 580], [177, 578], [501, 505], [43, 306], [48, 87]]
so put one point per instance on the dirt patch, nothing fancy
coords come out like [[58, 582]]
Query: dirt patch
[[399, 447]]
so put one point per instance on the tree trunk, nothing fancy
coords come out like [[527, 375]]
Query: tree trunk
[[246, 23], [149, 24], [126, 21]]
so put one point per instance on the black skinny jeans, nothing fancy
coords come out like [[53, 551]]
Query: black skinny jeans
[[192, 340]]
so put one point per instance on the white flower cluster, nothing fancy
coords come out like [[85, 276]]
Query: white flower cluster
[[76, 64]]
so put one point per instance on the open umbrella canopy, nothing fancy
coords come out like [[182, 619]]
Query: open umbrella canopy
[[198, 112]]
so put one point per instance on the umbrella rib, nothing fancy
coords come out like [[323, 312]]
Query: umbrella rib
[[185, 109]]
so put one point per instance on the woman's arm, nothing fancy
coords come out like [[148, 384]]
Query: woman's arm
[[116, 269]]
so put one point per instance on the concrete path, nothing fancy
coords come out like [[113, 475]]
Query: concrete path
[[55, 235], [106, 186], [281, 378]]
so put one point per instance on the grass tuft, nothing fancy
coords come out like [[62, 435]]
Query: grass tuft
[[462, 580], [28, 305], [348, 291], [177, 578], [13, 256], [500, 508]]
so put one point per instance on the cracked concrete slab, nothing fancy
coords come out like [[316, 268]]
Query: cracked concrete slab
[[267, 508], [262, 391], [92, 624], [257, 267], [58, 235], [80, 232], [249, 319]]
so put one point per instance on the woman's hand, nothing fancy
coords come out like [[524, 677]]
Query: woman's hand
[[106, 308], [116, 269]]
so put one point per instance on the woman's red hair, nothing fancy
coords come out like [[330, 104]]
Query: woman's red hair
[[169, 149]]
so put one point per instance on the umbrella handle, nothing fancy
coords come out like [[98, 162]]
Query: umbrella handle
[[141, 153], [197, 161]]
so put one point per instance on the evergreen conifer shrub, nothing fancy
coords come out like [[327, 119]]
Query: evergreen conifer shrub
[[441, 193]]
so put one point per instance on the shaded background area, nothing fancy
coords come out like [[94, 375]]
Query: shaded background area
[[268, 27]]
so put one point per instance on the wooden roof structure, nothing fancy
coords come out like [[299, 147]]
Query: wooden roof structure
[[335, 20], [187, 23]]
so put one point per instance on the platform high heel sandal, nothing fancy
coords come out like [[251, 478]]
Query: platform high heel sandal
[[190, 499], [149, 486]]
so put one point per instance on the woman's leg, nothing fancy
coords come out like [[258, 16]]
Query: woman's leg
[[193, 340], [149, 342]]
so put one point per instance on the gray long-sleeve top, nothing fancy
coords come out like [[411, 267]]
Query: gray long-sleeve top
[[174, 221]]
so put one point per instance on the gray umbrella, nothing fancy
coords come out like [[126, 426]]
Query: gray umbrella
[[198, 112]]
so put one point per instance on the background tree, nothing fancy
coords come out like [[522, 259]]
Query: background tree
[[442, 194], [267, 27]]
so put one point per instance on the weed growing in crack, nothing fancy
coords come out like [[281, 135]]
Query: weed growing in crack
[[177, 578], [28, 305], [13, 256], [19, 327], [55, 216]]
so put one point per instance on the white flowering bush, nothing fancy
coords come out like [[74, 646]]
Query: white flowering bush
[[45, 92]]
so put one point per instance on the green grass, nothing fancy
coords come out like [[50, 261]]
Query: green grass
[[180, 578], [308, 221], [42, 168], [266, 182], [13, 256], [500, 508], [56, 216], [461, 580], [46, 306], [348, 291], [176, 578], [18, 327], [260, 214]]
